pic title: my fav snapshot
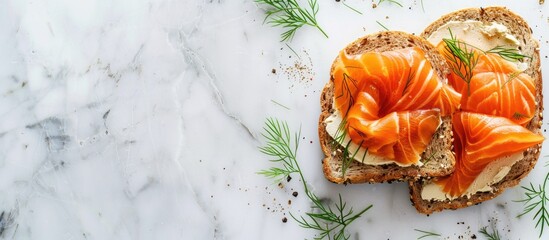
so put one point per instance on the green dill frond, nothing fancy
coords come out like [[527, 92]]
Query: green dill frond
[[411, 75], [510, 77], [346, 89], [330, 221], [390, 1], [509, 54], [279, 104], [383, 26], [348, 157], [340, 141], [291, 16], [431, 157], [352, 8], [279, 147], [536, 201], [462, 58], [426, 234], [519, 116], [494, 235]]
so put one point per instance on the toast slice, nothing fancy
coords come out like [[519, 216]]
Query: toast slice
[[530, 47], [439, 153]]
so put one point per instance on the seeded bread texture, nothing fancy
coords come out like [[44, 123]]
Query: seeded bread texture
[[438, 158], [530, 47]]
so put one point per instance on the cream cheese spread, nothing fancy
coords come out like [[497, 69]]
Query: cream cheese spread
[[492, 173], [484, 36]]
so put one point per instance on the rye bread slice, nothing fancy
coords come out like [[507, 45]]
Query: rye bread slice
[[438, 158], [530, 47]]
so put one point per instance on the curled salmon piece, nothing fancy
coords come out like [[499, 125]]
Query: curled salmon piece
[[392, 101], [478, 140], [496, 86], [499, 88]]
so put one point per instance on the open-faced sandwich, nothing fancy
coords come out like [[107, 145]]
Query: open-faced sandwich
[[455, 112]]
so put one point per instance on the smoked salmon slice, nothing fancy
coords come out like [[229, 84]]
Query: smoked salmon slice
[[392, 101], [497, 87], [497, 100], [478, 140], [402, 136]]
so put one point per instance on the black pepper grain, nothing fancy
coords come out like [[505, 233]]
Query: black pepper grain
[[273, 71], [284, 219], [288, 179], [294, 194]]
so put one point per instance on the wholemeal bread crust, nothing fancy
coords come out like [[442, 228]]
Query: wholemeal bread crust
[[441, 158], [530, 47]]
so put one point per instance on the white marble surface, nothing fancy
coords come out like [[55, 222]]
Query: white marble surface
[[141, 120]]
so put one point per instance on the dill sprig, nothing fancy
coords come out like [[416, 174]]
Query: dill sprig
[[291, 49], [411, 75], [461, 57], [536, 200], [426, 234], [383, 26], [431, 157], [339, 140], [279, 146], [519, 116], [347, 155], [494, 235], [391, 1], [291, 16], [510, 77], [330, 222], [346, 89], [509, 54], [279, 104], [352, 8]]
